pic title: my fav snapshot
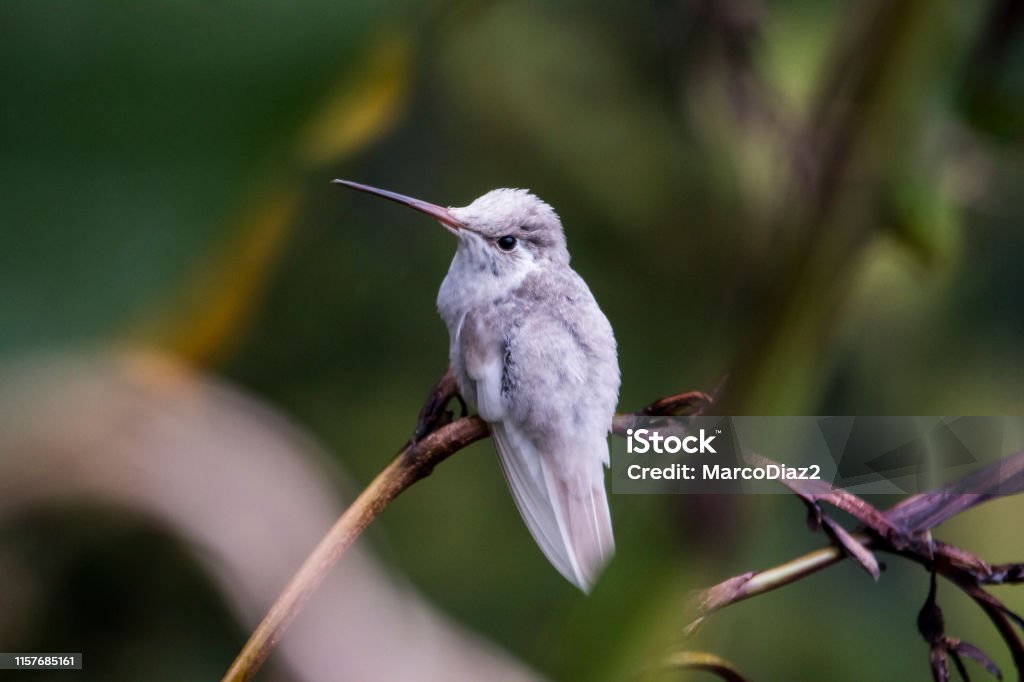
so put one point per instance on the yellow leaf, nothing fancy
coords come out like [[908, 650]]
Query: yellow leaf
[[222, 294], [358, 111]]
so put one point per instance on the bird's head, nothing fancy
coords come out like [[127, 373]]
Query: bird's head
[[503, 231]]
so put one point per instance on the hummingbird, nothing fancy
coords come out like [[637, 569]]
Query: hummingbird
[[535, 356]]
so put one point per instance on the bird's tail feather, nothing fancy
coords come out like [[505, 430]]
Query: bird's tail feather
[[564, 506]]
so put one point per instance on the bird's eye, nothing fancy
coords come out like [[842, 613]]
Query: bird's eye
[[507, 243]]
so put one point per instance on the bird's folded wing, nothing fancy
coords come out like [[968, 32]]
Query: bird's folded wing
[[533, 386], [565, 508]]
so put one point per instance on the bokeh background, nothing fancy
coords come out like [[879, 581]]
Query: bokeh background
[[821, 200]]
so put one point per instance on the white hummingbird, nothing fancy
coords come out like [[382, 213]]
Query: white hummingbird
[[534, 354]]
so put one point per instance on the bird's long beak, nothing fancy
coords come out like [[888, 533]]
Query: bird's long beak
[[439, 213]]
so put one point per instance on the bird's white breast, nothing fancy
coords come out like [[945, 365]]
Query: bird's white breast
[[470, 289], [471, 285]]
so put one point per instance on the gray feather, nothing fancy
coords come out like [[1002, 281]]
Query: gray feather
[[528, 483]]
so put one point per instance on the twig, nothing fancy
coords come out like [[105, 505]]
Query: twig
[[435, 438], [903, 530], [753, 583]]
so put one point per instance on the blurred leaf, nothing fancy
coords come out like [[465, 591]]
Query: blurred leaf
[[222, 294], [132, 130], [705, 662], [362, 108], [922, 217]]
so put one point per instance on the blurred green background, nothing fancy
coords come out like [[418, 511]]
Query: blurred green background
[[820, 199]]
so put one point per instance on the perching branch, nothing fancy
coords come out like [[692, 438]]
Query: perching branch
[[435, 438], [902, 530]]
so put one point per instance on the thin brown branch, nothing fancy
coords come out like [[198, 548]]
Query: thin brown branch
[[813, 492], [928, 510], [747, 585], [435, 438], [413, 463], [903, 530]]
